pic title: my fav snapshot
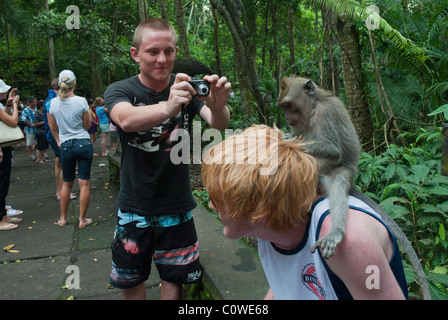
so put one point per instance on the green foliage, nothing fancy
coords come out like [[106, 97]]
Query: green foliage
[[407, 183]]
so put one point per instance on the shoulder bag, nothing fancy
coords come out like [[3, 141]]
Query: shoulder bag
[[10, 136]]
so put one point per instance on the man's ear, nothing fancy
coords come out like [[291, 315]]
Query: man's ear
[[134, 54]]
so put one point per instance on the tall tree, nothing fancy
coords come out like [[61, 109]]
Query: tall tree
[[233, 13], [181, 29], [141, 9], [356, 100], [50, 42]]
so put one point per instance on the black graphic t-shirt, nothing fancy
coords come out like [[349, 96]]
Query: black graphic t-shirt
[[150, 182]]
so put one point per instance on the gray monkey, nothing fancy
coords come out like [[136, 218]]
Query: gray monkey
[[330, 136], [323, 121]]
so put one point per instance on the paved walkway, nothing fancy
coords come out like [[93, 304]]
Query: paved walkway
[[39, 269]]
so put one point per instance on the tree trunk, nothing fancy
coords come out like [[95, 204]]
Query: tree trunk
[[243, 50], [97, 83], [180, 23], [292, 55], [216, 36], [163, 11], [50, 42], [141, 9], [353, 80]]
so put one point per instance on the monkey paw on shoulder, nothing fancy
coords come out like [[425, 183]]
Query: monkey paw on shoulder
[[328, 243], [287, 136]]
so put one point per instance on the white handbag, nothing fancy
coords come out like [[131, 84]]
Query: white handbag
[[10, 136]]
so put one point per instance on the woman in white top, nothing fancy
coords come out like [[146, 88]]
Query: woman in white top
[[69, 120]]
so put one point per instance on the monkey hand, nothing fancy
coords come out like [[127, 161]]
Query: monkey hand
[[328, 243], [287, 136]]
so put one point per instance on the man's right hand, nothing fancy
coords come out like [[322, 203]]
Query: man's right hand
[[181, 93]]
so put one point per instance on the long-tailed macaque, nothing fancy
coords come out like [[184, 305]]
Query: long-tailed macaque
[[323, 121]]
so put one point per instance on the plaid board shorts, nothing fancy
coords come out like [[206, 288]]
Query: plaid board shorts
[[170, 240]]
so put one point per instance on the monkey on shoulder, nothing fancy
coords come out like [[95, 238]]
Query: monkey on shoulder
[[323, 121]]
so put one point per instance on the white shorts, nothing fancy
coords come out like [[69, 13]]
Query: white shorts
[[30, 139]]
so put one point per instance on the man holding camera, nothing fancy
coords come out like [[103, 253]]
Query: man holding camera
[[155, 199]]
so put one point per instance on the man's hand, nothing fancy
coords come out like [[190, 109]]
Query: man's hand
[[219, 92], [180, 94]]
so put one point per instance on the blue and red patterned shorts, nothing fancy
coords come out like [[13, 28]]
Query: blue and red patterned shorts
[[170, 240]]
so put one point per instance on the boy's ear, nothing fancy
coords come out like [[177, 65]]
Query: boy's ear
[[134, 54]]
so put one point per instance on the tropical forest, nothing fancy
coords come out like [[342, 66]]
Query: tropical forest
[[386, 60]]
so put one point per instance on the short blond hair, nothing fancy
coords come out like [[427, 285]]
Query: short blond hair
[[281, 199], [156, 24]]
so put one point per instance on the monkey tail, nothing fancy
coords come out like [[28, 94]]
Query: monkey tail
[[401, 238]]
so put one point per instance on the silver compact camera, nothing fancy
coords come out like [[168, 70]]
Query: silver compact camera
[[201, 87]]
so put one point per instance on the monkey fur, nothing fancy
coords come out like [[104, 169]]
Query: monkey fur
[[323, 121]]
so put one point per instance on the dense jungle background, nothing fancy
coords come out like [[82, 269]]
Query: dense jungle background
[[387, 60]]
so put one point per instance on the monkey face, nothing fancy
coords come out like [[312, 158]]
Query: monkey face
[[295, 100], [292, 113]]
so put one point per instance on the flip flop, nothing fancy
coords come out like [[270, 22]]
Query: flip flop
[[9, 226], [14, 220], [88, 222], [13, 212], [60, 223], [72, 197]]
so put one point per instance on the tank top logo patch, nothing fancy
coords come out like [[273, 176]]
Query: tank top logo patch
[[311, 282]]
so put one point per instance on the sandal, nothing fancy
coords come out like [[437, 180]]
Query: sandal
[[72, 197], [9, 226], [88, 222], [13, 212], [60, 223], [12, 219]]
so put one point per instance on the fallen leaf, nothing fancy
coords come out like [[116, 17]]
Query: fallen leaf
[[8, 247], [13, 251], [91, 239]]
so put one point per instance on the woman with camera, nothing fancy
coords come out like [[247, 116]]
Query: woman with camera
[[7, 222]]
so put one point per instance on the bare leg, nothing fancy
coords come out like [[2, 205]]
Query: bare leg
[[84, 200], [136, 293], [58, 176], [104, 137], [65, 200], [170, 291]]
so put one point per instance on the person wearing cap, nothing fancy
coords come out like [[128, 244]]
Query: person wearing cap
[[69, 119], [155, 195], [7, 222], [53, 93]]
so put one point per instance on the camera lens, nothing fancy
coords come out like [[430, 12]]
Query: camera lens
[[202, 89]]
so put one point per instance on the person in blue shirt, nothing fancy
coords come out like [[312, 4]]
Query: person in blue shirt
[[102, 114]]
